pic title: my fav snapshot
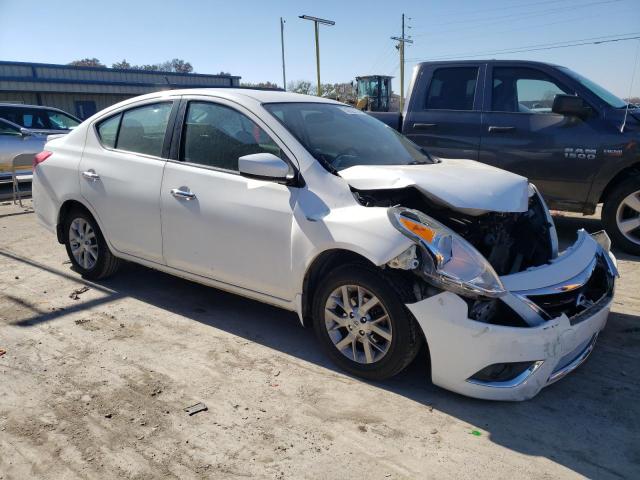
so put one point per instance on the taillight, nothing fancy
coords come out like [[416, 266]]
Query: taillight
[[41, 157]]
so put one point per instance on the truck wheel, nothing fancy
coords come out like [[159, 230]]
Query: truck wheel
[[363, 324], [621, 215], [87, 248]]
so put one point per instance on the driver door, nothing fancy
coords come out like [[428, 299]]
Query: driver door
[[215, 222], [521, 134]]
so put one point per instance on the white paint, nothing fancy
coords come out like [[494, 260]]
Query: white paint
[[465, 185]]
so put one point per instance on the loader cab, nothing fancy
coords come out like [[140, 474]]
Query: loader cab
[[374, 92]]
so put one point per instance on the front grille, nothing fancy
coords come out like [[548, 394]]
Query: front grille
[[586, 298]]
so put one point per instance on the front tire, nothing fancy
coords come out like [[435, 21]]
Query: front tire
[[621, 215], [362, 323], [87, 248]]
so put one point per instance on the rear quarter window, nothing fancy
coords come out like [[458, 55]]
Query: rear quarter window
[[108, 131], [452, 89]]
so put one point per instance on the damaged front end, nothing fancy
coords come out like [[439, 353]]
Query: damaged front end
[[504, 314]]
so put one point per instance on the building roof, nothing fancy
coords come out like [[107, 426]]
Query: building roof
[[23, 76]]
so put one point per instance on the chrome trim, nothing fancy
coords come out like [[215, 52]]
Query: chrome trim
[[553, 233], [514, 382], [181, 194], [575, 363], [531, 313], [91, 175], [568, 285]]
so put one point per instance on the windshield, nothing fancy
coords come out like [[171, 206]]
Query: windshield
[[339, 136], [601, 92], [39, 119]]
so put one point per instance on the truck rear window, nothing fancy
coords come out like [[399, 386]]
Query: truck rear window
[[452, 89]]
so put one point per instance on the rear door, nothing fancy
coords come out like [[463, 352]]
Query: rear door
[[444, 115], [522, 135], [121, 173]]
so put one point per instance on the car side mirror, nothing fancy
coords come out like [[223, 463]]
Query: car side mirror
[[570, 105], [265, 166]]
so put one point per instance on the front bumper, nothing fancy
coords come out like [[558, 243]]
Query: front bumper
[[558, 303]]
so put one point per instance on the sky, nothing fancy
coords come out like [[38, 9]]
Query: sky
[[243, 37]]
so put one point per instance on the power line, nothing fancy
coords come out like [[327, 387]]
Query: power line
[[537, 25], [542, 46], [513, 17], [506, 7]]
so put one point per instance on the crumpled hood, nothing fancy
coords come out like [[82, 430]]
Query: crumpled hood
[[465, 185]]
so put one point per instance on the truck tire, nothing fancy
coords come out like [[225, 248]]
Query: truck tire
[[621, 215], [373, 335], [86, 247]]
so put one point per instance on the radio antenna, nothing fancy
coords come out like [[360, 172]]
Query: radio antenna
[[633, 76]]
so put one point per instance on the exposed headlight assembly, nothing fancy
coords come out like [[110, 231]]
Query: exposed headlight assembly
[[449, 261]]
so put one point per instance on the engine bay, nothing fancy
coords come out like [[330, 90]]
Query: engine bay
[[511, 242]]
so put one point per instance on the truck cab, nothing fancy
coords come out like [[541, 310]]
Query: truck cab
[[573, 139]]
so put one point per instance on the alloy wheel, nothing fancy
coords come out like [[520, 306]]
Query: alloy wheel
[[358, 324], [83, 243], [628, 217]]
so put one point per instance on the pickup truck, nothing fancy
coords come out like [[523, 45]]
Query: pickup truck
[[577, 142]]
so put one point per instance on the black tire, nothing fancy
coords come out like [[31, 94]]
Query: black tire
[[106, 264], [406, 339], [610, 212]]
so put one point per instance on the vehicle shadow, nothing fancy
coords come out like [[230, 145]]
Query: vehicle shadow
[[587, 422]]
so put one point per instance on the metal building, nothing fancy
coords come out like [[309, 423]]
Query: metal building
[[82, 91]]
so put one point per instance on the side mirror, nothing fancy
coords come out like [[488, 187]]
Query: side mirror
[[570, 105], [264, 166]]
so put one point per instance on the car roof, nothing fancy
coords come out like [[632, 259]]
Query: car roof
[[494, 62], [22, 105], [247, 94]]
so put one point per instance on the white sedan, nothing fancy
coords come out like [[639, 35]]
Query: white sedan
[[315, 207]]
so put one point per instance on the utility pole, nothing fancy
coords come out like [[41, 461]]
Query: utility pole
[[401, 41], [317, 21], [284, 75]]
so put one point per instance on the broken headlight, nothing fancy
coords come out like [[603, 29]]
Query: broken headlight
[[449, 261]]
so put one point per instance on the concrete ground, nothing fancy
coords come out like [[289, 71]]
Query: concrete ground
[[93, 385]]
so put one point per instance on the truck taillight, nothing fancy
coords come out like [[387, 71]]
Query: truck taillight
[[41, 157]]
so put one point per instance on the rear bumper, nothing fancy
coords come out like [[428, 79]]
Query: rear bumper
[[549, 349]]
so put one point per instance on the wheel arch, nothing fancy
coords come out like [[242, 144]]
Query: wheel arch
[[320, 265], [68, 206], [621, 176]]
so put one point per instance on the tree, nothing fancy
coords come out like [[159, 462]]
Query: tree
[[87, 62], [301, 86], [123, 64], [180, 66], [259, 85]]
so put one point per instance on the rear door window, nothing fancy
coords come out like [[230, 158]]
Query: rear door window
[[142, 129], [452, 89]]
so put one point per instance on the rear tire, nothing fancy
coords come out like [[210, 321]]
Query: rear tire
[[393, 342], [86, 247], [621, 215]]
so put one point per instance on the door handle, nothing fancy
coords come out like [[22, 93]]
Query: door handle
[[494, 129], [424, 126], [181, 194], [91, 175]]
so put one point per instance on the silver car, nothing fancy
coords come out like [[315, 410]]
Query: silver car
[[24, 130]]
